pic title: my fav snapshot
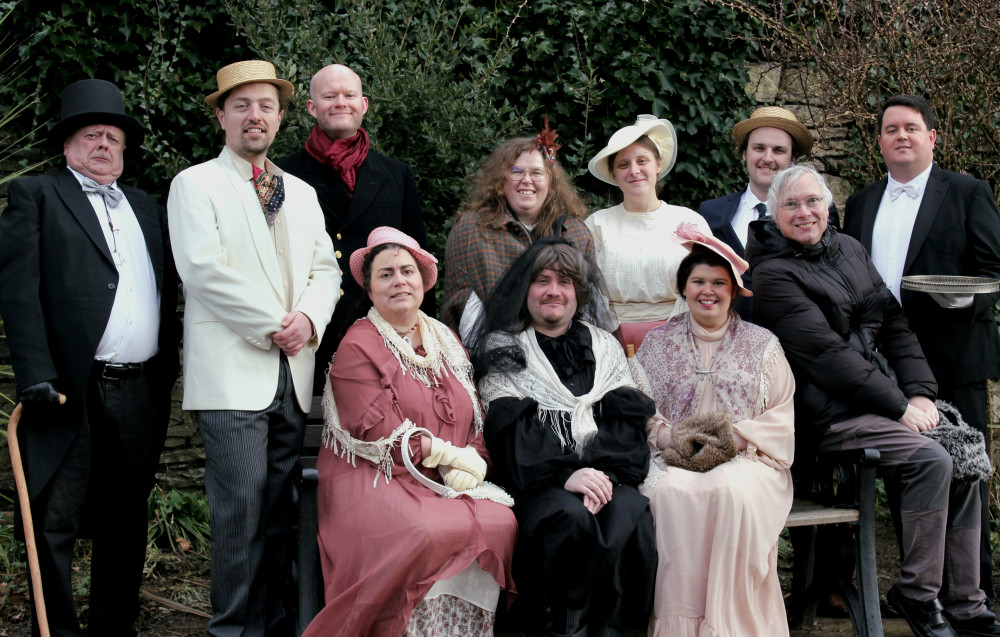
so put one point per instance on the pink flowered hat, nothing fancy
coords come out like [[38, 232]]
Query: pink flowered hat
[[426, 262], [688, 234]]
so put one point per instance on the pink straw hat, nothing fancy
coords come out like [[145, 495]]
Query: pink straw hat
[[688, 235], [426, 262]]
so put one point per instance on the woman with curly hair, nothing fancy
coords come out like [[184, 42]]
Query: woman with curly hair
[[520, 194]]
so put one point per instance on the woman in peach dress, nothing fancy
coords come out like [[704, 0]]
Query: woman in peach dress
[[717, 531]]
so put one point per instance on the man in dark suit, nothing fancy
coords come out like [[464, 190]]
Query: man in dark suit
[[88, 295], [922, 220], [769, 141], [358, 189]]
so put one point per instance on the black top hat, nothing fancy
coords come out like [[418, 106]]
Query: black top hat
[[94, 102]]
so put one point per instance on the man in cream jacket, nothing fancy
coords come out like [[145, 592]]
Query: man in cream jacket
[[260, 284]]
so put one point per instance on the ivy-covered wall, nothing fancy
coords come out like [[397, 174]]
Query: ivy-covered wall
[[447, 79]]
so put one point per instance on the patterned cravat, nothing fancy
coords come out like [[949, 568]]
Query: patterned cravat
[[895, 190], [271, 193], [112, 196], [761, 209]]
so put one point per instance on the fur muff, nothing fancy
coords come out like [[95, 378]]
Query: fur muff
[[701, 442], [965, 445]]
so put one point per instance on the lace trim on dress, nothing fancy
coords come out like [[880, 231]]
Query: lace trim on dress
[[378, 452], [443, 351]]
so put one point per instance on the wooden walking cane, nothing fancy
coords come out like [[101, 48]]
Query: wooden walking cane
[[29, 528]]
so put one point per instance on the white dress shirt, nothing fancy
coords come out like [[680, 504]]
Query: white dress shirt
[[893, 227], [132, 332], [746, 213]]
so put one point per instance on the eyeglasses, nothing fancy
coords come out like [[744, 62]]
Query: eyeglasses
[[516, 173], [812, 203]]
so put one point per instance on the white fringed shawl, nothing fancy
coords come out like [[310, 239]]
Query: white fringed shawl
[[443, 353], [556, 404]]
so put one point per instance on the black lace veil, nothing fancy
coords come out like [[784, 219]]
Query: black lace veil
[[494, 346]]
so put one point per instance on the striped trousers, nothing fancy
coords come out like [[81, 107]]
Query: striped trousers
[[249, 459]]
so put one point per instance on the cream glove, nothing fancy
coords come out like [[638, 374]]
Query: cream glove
[[460, 480], [442, 452], [468, 459], [445, 453]]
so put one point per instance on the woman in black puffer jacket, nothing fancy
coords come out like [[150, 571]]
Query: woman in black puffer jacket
[[862, 381]]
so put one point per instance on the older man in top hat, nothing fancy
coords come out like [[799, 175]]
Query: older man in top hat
[[88, 295], [358, 189], [770, 140], [260, 284]]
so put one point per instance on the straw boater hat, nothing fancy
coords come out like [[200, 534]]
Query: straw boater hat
[[775, 117], [688, 235], [94, 102], [426, 262], [248, 72], [661, 131]]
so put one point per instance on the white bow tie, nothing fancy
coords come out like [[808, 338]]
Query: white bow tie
[[909, 189]]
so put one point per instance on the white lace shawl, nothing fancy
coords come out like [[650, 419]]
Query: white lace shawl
[[443, 353], [539, 381]]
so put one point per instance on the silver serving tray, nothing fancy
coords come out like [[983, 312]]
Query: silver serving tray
[[951, 284]]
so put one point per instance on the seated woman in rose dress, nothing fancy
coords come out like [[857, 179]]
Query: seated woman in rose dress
[[398, 557]]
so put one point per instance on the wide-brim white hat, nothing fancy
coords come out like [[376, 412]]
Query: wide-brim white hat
[[661, 131]]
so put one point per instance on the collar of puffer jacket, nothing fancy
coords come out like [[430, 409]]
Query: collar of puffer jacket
[[765, 242]]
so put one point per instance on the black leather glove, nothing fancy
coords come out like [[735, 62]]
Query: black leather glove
[[43, 393]]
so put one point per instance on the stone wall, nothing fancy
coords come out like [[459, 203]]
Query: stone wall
[[773, 85]]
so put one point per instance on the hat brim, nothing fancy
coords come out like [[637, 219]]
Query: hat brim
[[134, 135], [426, 263], [659, 130], [285, 88], [728, 254], [803, 140]]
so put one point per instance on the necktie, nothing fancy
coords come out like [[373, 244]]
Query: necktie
[[895, 190], [761, 209], [112, 197], [271, 193]]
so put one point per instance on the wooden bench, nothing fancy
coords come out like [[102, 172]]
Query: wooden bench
[[855, 505], [844, 494], [306, 570]]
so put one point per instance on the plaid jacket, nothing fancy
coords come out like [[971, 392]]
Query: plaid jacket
[[476, 256]]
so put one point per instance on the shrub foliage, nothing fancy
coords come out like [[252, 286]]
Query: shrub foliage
[[447, 79]]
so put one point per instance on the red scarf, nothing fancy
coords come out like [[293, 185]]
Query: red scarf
[[344, 156]]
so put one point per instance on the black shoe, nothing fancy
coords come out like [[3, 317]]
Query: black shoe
[[982, 625], [924, 618], [888, 611]]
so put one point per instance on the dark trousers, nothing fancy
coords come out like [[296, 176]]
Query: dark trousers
[[972, 402], [938, 517], [102, 484], [249, 458]]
